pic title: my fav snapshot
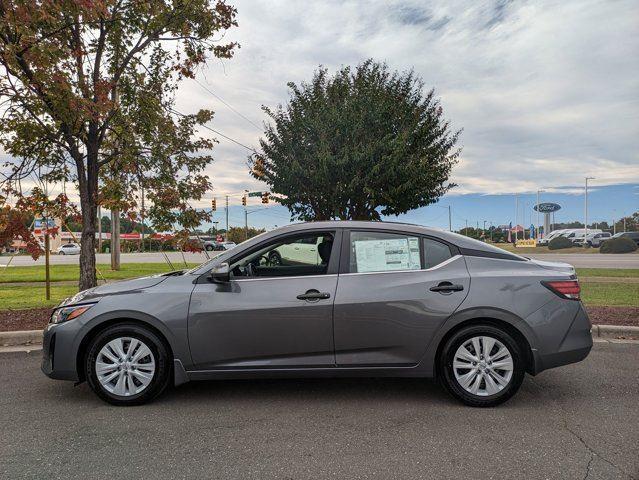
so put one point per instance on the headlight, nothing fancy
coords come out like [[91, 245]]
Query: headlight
[[64, 314]]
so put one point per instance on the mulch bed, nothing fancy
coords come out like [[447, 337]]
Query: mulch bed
[[37, 318], [31, 319], [627, 316]]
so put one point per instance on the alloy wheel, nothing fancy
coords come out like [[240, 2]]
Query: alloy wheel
[[483, 366], [125, 366]]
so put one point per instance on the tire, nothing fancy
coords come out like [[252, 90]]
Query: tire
[[490, 389], [140, 382], [61, 252], [209, 248]]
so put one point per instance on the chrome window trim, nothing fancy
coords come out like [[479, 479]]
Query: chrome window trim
[[282, 278]]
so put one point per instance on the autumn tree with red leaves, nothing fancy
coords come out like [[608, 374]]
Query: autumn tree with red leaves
[[88, 97]]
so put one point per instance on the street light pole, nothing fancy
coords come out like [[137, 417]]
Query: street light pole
[[450, 220], [538, 224], [227, 216], [586, 209]]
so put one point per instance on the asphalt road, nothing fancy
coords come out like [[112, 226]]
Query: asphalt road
[[580, 260], [575, 422]]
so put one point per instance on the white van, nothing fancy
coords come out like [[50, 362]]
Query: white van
[[550, 236]]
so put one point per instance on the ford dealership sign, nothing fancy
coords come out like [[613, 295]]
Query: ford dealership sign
[[547, 207]]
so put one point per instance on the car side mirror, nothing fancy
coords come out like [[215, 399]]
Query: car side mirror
[[220, 273]]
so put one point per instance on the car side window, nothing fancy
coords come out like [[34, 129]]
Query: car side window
[[296, 255], [383, 252], [435, 252]]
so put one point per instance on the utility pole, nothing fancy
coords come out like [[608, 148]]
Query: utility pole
[[466, 229], [450, 220], [115, 240], [245, 216], [227, 216], [586, 208]]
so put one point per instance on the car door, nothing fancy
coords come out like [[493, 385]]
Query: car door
[[395, 290], [267, 315]]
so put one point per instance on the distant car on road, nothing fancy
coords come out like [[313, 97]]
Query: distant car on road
[[634, 236], [68, 249], [375, 299]]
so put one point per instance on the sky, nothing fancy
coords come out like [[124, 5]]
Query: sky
[[546, 93]]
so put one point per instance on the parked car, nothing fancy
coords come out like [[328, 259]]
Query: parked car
[[212, 245], [378, 299], [578, 236], [631, 235], [68, 249], [545, 240], [592, 239]]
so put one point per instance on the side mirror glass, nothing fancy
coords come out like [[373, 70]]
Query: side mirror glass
[[220, 273]]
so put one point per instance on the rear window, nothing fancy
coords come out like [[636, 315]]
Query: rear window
[[435, 253]]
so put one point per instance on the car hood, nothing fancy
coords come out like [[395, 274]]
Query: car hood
[[557, 266], [114, 288]]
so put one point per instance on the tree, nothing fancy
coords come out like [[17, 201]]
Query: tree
[[238, 234], [364, 142], [88, 97]]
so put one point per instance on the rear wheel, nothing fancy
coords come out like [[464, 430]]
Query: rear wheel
[[481, 365], [127, 364], [209, 248]]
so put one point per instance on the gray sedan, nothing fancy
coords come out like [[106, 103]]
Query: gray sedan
[[327, 299]]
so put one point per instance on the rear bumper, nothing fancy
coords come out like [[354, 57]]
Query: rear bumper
[[574, 346]]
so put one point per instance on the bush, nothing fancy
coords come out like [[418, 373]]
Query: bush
[[618, 245], [558, 243]]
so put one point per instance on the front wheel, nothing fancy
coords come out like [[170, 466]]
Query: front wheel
[[481, 365], [127, 364]]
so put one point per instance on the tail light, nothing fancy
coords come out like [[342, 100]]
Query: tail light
[[564, 288]]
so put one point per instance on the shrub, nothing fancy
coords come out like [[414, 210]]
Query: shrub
[[559, 243], [618, 245]]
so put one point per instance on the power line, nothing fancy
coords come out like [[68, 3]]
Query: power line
[[217, 132], [228, 105]]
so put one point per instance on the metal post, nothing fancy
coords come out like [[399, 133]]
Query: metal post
[[142, 216], [47, 276], [450, 220], [466, 229], [537, 232], [516, 216]]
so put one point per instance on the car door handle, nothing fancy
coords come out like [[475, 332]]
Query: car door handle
[[314, 295], [446, 287]]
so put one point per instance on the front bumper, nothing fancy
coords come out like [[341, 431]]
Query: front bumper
[[59, 350]]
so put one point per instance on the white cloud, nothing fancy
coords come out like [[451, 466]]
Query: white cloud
[[545, 91]]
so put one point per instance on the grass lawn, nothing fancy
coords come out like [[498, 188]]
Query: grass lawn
[[71, 272], [526, 250], [16, 298], [607, 272], [610, 294]]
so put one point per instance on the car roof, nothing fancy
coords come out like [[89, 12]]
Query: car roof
[[453, 238]]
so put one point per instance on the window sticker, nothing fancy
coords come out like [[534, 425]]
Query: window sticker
[[387, 254]]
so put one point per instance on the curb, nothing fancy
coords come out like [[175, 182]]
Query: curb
[[34, 337], [23, 337]]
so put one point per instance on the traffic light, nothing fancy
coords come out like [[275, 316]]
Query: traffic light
[[213, 205], [265, 197], [244, 200]]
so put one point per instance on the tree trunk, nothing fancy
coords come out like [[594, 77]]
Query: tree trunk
[[88, 186]]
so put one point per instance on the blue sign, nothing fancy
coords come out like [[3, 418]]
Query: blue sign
[[547, 207]]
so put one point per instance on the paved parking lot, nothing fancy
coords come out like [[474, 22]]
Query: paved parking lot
[[576, 422]]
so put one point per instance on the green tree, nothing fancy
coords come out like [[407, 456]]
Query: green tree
[[363, 143], [88, 96], [238, 234]]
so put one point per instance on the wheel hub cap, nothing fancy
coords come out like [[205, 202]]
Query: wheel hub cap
[[125, 366], [483, 366]]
